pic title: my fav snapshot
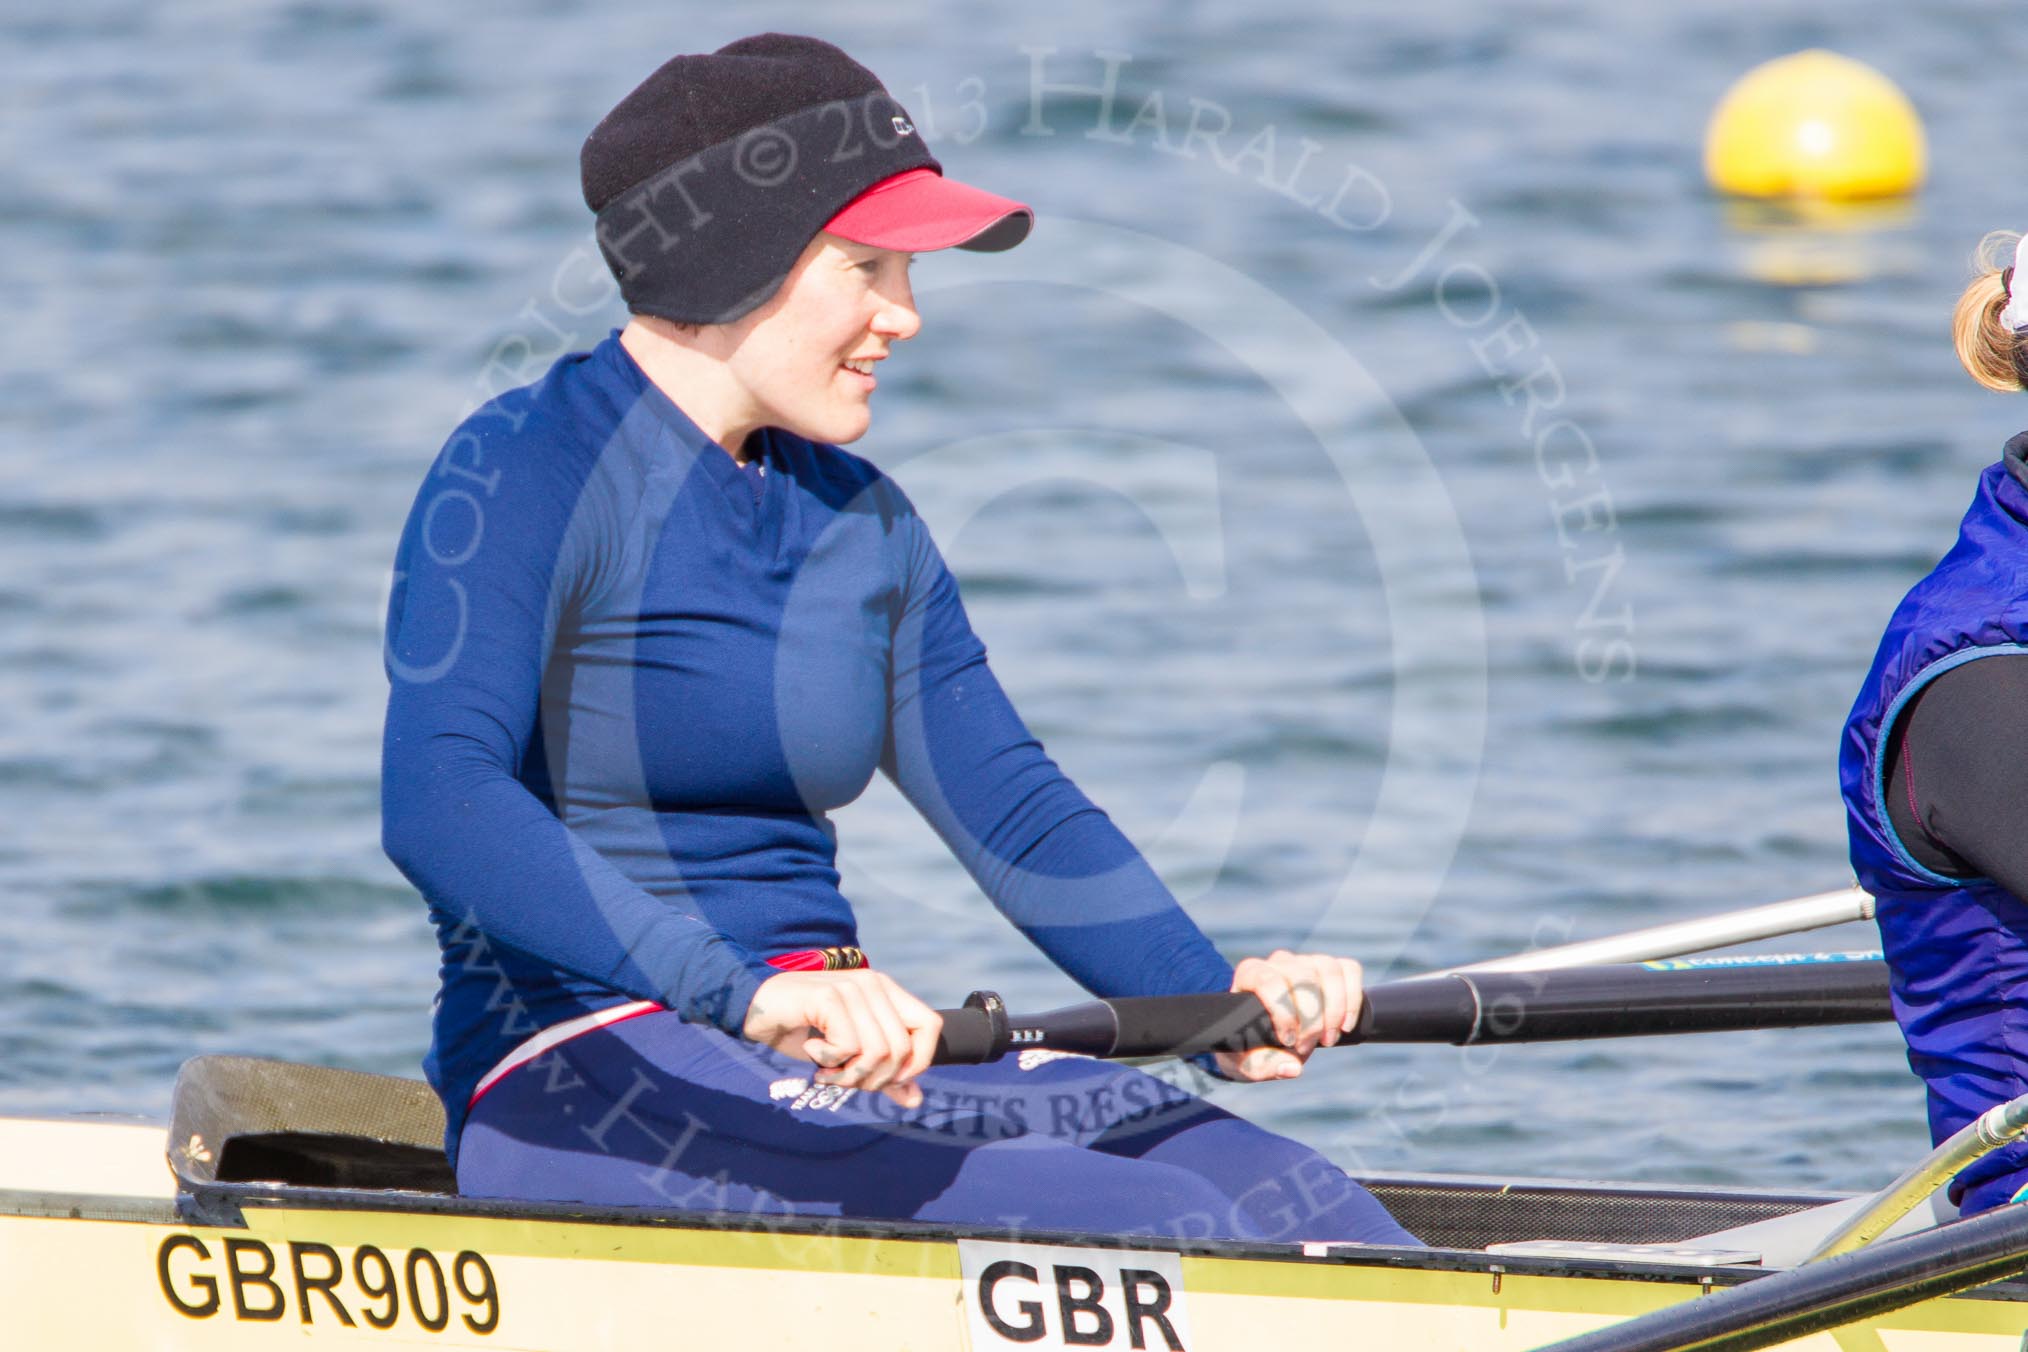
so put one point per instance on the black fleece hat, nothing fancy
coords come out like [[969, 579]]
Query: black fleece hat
[[710, 178]]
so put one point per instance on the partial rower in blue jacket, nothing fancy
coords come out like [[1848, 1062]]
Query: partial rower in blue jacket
[[1931, 767]]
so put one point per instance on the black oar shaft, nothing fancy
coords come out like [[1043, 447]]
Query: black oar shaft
[[1630, 1001], [1574, 1002]]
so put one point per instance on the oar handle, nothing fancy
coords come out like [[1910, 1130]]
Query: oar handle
[[1184, 1025], [1549, 1006], [1153, 1025]]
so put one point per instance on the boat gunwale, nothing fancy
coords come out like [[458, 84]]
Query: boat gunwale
[[280, 1200], [210, 1204], [54, 1204], [223, 1205], [207, 1195]]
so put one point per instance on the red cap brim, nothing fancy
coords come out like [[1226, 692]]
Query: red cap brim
[[920, 210]]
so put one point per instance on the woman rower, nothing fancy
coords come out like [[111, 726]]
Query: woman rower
[[1931, 765], [651, 626]]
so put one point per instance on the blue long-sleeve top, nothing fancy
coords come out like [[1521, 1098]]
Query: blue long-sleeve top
[[629, 680]]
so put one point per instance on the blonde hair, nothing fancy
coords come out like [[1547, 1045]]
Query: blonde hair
[[1988, 348]]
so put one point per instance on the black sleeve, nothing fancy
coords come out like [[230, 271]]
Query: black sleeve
[[1957, 773]]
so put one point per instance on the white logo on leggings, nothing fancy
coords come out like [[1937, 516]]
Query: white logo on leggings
[[828, 1097]]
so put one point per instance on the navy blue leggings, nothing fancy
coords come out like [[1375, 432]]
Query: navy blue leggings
[[658, 1112]]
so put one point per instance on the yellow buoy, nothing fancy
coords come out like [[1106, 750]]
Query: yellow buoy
[[1815, 124]]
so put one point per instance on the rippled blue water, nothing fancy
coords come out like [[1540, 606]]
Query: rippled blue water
[[1261, 546]]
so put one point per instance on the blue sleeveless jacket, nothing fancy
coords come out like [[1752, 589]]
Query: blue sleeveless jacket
[[1957, 947]]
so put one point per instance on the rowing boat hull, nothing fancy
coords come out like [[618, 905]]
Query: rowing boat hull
[[254, 1268]]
